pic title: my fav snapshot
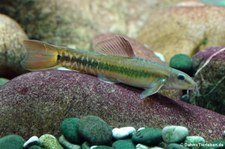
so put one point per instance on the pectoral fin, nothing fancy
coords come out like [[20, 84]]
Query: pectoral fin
[[108, 80], [153, 88]]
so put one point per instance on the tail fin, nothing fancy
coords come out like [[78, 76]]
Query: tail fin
[[39, 55]]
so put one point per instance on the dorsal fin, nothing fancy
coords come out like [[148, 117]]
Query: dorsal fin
[[113, 45]]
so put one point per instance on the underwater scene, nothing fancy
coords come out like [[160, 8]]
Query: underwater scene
[[119, 74]]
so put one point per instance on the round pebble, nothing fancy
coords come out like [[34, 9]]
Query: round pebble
[[194, 140], [123, 132], [123, 144], [181, 62], [11, 142], [34, 140], [69, 130], [95, 130], [66, 144], [85, 145], [148, 136], [48, 141], [174, 134]]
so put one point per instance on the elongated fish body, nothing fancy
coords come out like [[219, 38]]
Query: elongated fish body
[[132, 71], [113, 61]]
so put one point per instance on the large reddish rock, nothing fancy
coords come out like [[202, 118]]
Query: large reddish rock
[[35, 103]]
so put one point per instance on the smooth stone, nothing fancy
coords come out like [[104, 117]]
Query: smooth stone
[[11, 47], [175, 146], [194, 140], [148, 136], [123, 132], [11, 142], [34, 140], [181, 62], [174, 134], [66, 144], [95, 130], [123, 144], [48, 141], [68, 128]]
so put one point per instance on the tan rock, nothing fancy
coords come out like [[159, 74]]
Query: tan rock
[[11, 48], [185, 28], [76, 22]]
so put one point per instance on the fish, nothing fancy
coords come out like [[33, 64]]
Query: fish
[[112, 61]]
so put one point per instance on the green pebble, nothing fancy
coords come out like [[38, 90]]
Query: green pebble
[[142, 146], [11, 142], [95, 130], [175, 146], [123, 144], [85, 145], [68, 128], [194, 140], [174, 134], [148, 136], [48, 141], [181, 62], [103, 147], [216, 144], [66, 144], [3, 81], [35, 147]]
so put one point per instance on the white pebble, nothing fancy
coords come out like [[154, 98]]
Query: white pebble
[[160, 56], [30, 141], [122, 132], [141, 128], [141, 146], [93, 147]]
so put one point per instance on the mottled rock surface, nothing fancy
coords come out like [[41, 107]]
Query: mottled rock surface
[[211, 80], [36, 103], [184, 29], [11, 48]]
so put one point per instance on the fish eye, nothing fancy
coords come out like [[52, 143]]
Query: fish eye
[[180, 77]]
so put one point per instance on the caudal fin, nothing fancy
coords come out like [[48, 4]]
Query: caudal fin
[[39, 55]]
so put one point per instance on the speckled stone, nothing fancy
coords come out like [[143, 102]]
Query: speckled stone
[[68, 128], [75, 94], [95, 130], [48, 141], [123, 144], [11, 47]]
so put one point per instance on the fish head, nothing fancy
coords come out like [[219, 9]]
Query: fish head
[[180, 80]]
